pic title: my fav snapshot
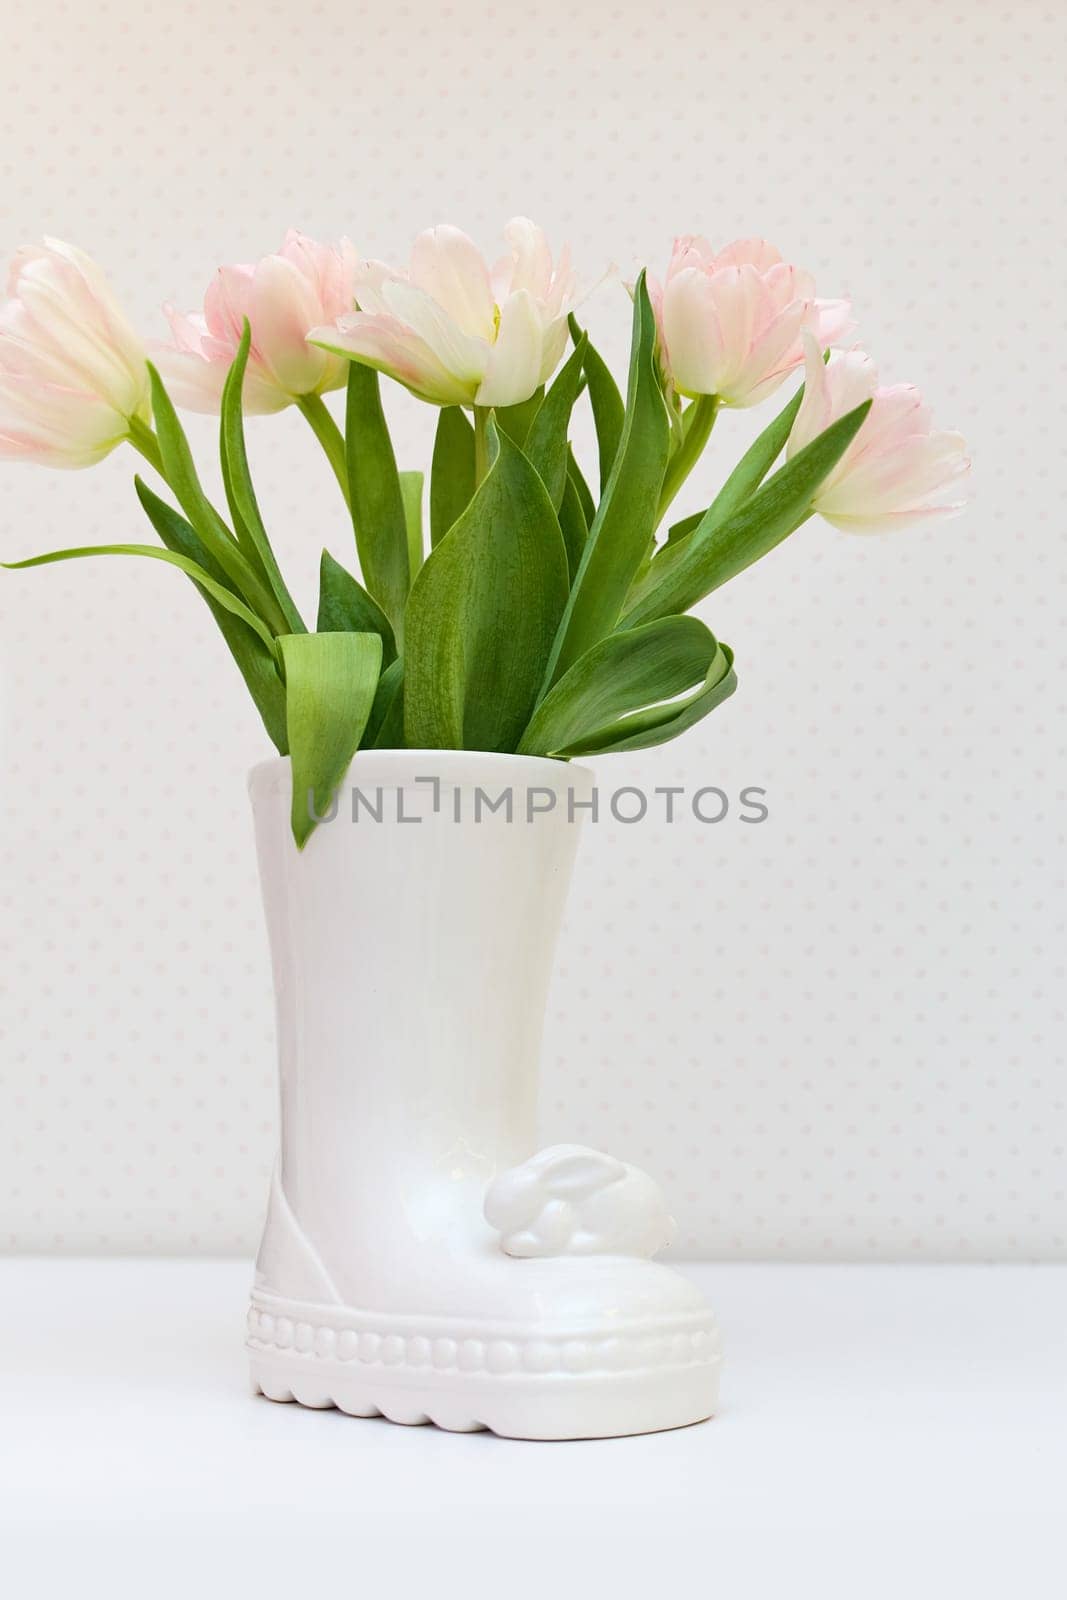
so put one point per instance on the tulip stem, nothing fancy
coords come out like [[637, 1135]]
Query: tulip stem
[[329, 436], [481, 445], [145, 442], [697, 423]]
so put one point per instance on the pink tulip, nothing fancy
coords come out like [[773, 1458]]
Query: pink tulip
[[283, 296], [454, 331], [897, 469], [72, 370], [730, 323]]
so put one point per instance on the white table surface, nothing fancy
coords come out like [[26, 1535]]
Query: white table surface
[[886, 1431]]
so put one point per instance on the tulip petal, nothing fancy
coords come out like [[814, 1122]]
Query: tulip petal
[[901, 414], [690, 250], [691, 332], [283, 305], [748, 288], [529, 266], [830, 392], [327, 269], [755, 253], [197, 385], [63, 319], [908, 480], [447, 266], [561, 295], [892, 521], [513, 370], [304, 286], [772, 356], [460, 353], [831, 320], [227, 303], [385, 343], [742, 306], [188, 329], [896, 470], [59, 419], [553, 344], [438, 330], [72, 370], [368, 282], [786, 284], [99, 303]]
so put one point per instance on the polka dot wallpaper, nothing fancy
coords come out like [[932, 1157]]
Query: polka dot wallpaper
[[835, 1034]]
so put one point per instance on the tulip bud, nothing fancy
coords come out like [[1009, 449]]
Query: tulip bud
[[283, 296], [897, 469], [72, 370], [454, 332], [730, 323]]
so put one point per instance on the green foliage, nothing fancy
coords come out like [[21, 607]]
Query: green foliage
[[581, 488], [376, 497], [331, 680], [451, 472], [626, 517], [516, 420], [240, 495], [573, 525], [256, 662], [546, 441], [411, 487], [609, 413], [483, 613], [346, 607], [543, 620], [385, 725], [181, 475], [624, 693], [739, 487], [717, 550], [218, 591]]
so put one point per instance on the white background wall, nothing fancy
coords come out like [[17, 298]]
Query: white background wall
[[836, 1034]]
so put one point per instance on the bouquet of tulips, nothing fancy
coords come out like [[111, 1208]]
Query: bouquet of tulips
[[541, 616]]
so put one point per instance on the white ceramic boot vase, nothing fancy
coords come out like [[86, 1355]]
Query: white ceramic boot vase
[[419, 1261]]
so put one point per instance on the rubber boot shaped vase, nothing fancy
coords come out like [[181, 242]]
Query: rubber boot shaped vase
[[419, 1260]]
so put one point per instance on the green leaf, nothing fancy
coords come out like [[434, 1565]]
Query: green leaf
[[658, 725], [756, 462], [546, 443], [218, 591], [681, 530], [181, 475], [746, 477], [411, 484], [623, 694], [742, 483], [451, 472], [483, 611], [690, 433], [516, 420], [331, 681], [573, 526], [385, 726], [346, 607], [255, 662], [608, 410], [376, 497], [575, 474], [715, 552], [240, 495], [626, 518]]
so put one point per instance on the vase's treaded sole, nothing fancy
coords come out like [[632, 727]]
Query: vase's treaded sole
[[640, 1377]]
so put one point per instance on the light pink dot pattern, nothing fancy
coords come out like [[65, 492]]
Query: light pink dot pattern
[[838, 1034]]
